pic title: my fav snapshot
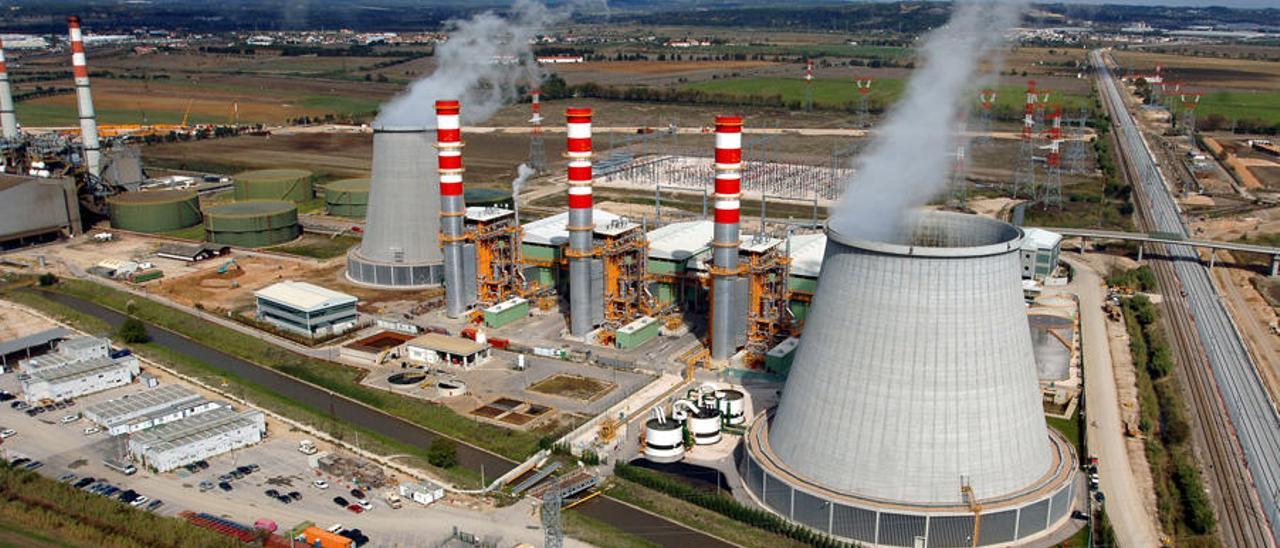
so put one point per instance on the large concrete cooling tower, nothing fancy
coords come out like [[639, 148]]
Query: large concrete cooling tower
[[913, 404], [401, 245]]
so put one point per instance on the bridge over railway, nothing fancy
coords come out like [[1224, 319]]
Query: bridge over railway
[[1086, 234]]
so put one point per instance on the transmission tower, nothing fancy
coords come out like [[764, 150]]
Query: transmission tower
[[959, 185], [1024, 174], [537, 150], [1050, 194], [864, 98], [551, 525], [1156, 81], [1042, 103], [1189, 103], [987, 102], [1076, 155], [808, 85]]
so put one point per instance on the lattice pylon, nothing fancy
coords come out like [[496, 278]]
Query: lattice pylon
[[863, 85], [808, 85], [1189, 103], [537, 148], [986, 106], [1024, 175], [552, 527], [1050, 191]]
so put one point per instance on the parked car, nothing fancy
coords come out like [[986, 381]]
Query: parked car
[[236, 474], [224, 486], [19, 461], [34, 465], [203, 464], [295, 495], [253, 467], [84, 482], [320, 484], [340, 501], [206, 485], [272, 493], [142, 499], [7, 433], [364, 504], [20, 405], [357, 494], [71, 418], [355, 509], [334, 528], [226, 478], [91, 430], [67, 478], [155, 504], [284, 499]]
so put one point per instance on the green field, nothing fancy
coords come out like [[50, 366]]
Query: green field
[[44, 114], [833, 93], [1236, 105], [814, 50]]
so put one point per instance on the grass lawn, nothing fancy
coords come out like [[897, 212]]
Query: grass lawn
[[1235, 105], [194, 233], [341, 379], [836, 93], [318, 246], [697, 517]]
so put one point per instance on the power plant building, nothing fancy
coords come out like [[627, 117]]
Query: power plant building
[[169, 446], [904, 421], [1040, 251], [306, 309], [36, 210]]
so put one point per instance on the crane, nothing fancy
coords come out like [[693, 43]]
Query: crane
[[966, 491]]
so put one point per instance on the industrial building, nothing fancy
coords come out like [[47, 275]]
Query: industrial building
[[401, 243], [169, 446], [72, 380], [306, 309], [154, 211], [36, 210], [69, 351], [435, 349], [192, 253], [13, 351], [542, 248], [252, 224], [904, 421], [147, 408], [1040, 249], [287, 185]]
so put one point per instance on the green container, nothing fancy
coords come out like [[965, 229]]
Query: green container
[[506, 312], [347, 198], [252, 224], [778, 359], [154, 210], [293, 185], [637, 333]]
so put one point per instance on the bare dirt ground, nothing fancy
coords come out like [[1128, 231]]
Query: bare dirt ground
[[15, 322], [1221, 73]]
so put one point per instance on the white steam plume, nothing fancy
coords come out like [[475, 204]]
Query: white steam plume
[[523, 172], [908, 160], [482, 64]]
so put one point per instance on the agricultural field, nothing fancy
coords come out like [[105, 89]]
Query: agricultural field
[[840, 93], [1238, 105], [1207, 73]]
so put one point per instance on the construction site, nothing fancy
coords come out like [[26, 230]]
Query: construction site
[[722, 296]]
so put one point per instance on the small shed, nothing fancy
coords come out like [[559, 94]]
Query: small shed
[[437, 349], [422, 493]]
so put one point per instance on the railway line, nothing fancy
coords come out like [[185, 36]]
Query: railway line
[[1236, 421]]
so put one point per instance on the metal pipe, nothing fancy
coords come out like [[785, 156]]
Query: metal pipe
[[728, 165], [88, 119], [8, 120], [581, 225], [453, 207]]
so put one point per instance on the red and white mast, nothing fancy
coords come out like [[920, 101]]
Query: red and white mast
[[728, 169], [88, 119], [581, 225], [8, 120]]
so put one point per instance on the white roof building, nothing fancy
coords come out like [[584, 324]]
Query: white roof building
[[76, 379], [807, 251], [681, 241], [304, 296], [554, 230], [198, 437]]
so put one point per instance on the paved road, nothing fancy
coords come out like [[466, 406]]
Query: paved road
[[1105, 432], [1235, 383]]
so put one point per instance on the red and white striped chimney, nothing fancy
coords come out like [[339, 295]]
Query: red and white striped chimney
[[8, 120], [535, 108], [581, 224], [453, 207], [728, 168], [88, 119]]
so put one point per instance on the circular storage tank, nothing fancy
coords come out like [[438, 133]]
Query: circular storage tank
[[154, 210], [732, 406], [293, 185], [663, 441], [705, 426], [252, 224], [487, 197], [347, 198]]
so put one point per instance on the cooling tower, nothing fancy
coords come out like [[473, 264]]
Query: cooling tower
[[401, 245], [913, 394]]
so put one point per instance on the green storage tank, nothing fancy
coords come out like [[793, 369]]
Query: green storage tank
[[252, 224], [347, 198], [506, 312], [293, 185], [637, 333], [154, 210], [487, 197]]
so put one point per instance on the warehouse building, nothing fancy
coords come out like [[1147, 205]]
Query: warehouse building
[[195, 438], [72, 350], [192, 252], [1039, 253], [72, 380], [35, 210], [306, 309], [14, 351], [148, 408], [437, 349]]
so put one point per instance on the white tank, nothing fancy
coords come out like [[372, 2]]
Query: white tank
[[705, 426], [733, 406], [663, 440]]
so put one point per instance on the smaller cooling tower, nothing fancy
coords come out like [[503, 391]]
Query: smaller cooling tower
[[913, 397], [401, 245]]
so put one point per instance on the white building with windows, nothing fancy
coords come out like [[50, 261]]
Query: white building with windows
[[72, 380], [1039, 254], [148, 408], [307, 309], [169, 446]]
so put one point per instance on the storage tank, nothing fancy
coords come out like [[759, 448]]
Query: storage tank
[[732, 406], [292, 185], [663, 438], [347, 198], [252, 224], [913, 397], [705, 425], [154, 210], [487, 197]]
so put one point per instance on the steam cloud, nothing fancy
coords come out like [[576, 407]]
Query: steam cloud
[[523, 172], [482, 64], [907, 162]]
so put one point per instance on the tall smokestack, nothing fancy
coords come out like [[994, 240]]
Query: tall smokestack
[[453, 207], [580, 223], [88, 120], [728, 165], [8, 120]]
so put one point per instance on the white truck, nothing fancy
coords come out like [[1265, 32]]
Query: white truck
[[393, 500], [307, 447]]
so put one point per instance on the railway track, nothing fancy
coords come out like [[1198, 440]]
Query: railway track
[[1236, 423]]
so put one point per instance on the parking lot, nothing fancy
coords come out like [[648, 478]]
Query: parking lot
[[64, 448]]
